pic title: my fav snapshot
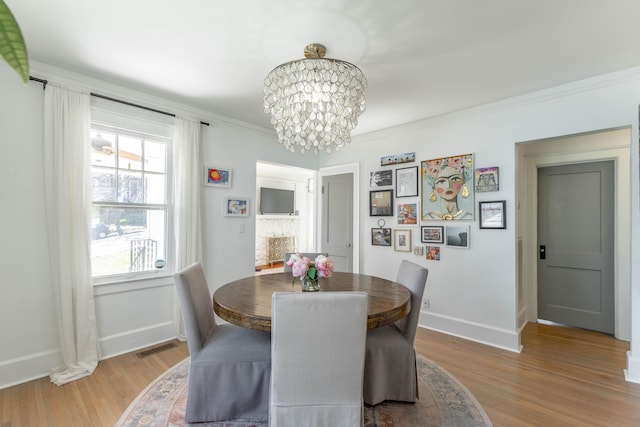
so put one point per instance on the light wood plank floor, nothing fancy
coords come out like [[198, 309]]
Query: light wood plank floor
[[563, 377]]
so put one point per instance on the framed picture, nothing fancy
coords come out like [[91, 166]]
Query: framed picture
[[457, 236], [407, 213], [236, 206], [397, 159], [432, 234], [492, 214], [381, 236], [402, 240], [407, 181], [217, 177], [487, 179], [418, 250], [447, 189], [383, 178], [433, 253], [381, 203]]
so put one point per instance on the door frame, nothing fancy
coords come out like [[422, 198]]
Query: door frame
[[353, 169], [613, 144]]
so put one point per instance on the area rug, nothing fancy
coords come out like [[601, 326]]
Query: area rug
[[444, 401]]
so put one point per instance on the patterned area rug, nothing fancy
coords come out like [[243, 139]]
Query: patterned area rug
[[444, 401]]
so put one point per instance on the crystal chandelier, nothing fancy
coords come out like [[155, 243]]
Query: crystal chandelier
[[314, 102]]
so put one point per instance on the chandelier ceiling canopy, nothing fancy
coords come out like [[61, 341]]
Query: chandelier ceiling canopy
[[314, 102]]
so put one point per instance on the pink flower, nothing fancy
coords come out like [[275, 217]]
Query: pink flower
[[324, 266], [299, 268], [302, 266], [455, 162]]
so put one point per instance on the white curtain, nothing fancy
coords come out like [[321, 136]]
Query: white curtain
[[187, 185], [68, 206]]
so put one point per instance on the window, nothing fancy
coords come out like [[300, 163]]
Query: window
[[130, 200]]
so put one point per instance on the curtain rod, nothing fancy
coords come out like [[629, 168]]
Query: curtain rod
[[108, 98]]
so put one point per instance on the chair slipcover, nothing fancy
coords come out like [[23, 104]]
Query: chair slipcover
[[311, 255], [390, 362], [317, 359], [230, 366]]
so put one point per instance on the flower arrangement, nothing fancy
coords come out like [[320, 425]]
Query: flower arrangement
[[310, 271]]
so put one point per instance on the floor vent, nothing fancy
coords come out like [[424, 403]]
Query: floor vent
[[145, 353]]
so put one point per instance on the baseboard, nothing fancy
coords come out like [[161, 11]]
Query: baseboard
[[126, 342], [495, 337], [632, 373], [36, 366], [28, 368]]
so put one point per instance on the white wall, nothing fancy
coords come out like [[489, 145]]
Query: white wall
[[472, 291], [130, 315]]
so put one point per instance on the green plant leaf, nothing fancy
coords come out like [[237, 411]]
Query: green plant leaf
[[12, 46]]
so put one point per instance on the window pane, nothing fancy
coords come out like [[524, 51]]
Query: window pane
[[103, 149], [155, 188], [155, 156], [130, 188], [103, 184], [129, 153], [126, 240]]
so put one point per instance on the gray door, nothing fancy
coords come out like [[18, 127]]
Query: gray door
[[337, 220], [576, 245]]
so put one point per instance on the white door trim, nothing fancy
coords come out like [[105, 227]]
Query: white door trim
[[354, 169], [550, 156]]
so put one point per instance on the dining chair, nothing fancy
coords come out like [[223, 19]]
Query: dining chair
[[390, 360], [230, 366], [317, 359], [311, 255]]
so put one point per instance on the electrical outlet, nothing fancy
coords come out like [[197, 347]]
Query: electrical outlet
[[425, 303]]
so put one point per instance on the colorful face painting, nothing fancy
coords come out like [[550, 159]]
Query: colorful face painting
[[447, 188]]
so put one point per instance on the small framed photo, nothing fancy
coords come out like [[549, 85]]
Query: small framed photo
[[217, 177], [407, 213], [236, 206], [457, 236], [397, 159], [382, 178], [381, 203], [402, 240], [433, 253], [492, 214], [418, 250], [407, 182], [381, 236], [432, 234], [487, 179]]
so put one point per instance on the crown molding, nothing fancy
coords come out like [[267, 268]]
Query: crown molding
[[580, 86], [59, 76]]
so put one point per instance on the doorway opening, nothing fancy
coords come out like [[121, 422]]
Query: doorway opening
[[289, 223], [614, 145]]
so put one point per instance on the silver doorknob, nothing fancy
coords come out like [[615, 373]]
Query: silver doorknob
[[348, 245]]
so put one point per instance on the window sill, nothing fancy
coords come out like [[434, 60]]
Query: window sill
[[132, 282]]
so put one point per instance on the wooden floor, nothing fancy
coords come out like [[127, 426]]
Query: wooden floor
[[563, 377]]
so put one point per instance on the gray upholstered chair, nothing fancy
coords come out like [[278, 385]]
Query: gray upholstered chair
[[311, 255], [230, 366], [390, 362], [317, 359]]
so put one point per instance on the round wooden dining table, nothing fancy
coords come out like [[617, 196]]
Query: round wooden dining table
[[247, 302]]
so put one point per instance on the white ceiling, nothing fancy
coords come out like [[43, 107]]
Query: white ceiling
[[422, 58]]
